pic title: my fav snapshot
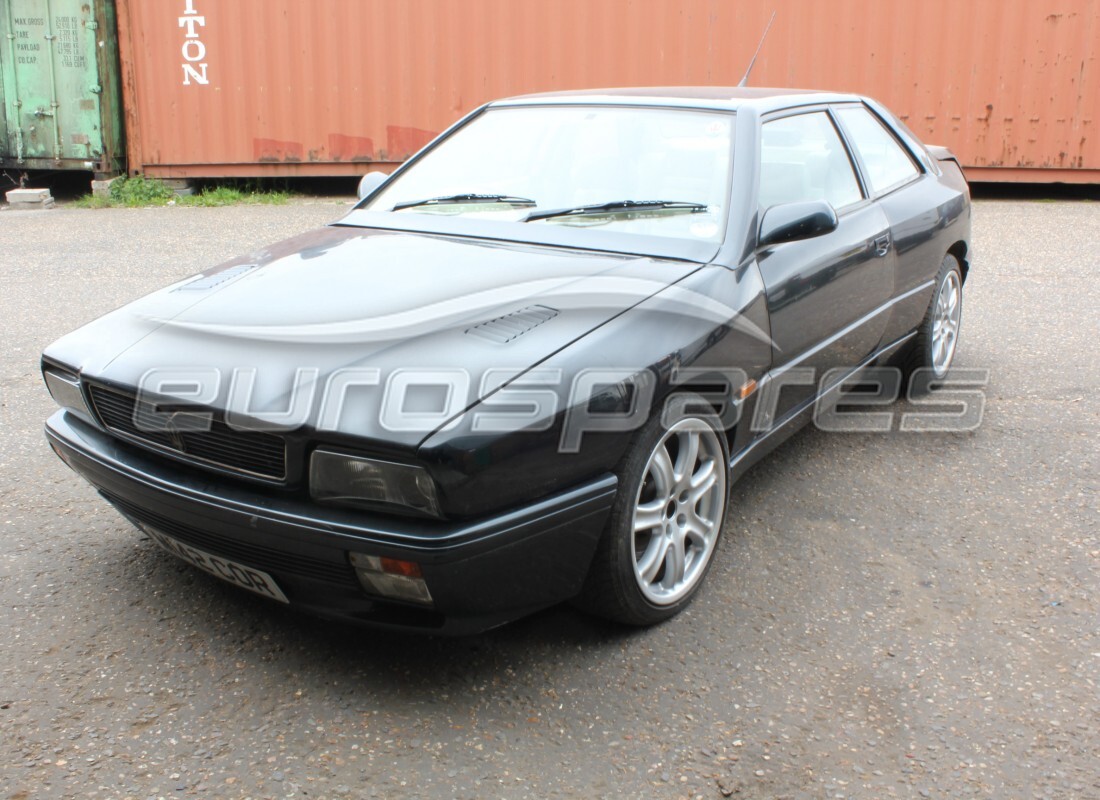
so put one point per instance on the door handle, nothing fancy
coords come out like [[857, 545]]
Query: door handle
[[881, 245]]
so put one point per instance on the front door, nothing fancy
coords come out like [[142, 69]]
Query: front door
[[825, 295]]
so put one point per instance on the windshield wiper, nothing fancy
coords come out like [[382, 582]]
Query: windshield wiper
[[619, 207], [461, 199]]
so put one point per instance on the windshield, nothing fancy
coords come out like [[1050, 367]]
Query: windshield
[[656, 172]]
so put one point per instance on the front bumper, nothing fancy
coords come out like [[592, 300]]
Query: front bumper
[[481, 573]]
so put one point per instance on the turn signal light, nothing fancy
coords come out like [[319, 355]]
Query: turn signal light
[[410, 569]]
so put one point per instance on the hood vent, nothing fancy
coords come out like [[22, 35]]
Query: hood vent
[[504, 329], [210, 280]]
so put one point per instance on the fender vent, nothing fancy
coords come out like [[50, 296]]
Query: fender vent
[[512, 325]]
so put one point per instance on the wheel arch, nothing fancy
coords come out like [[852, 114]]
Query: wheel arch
[[959, 250]]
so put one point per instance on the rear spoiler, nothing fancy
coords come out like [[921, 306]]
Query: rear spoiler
[[945, 156], [941, 153]]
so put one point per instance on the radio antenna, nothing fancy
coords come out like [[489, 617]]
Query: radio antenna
[[752, 63]]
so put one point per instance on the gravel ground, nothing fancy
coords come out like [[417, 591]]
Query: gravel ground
[[889, 616]]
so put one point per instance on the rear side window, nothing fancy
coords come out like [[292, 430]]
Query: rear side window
[[888, 164], [802, 158]]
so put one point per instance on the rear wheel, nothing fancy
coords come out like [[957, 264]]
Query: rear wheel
[[933, 349], [667, 518]]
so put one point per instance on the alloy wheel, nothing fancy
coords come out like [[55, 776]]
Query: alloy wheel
[[945, 324], [679, 511]]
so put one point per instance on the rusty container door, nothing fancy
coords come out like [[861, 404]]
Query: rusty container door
[[325, 87], [59, 66]]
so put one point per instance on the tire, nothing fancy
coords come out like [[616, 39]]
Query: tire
[[667, 518], [930, 355]]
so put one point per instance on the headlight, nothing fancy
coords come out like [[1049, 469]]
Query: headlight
[[65, 390], [370, 483]]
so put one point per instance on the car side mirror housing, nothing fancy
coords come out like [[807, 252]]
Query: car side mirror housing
[[792, 222], [371, 181]]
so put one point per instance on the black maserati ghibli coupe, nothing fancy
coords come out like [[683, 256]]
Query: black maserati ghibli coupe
[[528, 365]]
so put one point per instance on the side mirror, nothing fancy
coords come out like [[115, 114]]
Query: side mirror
[[791, 222], [371, 181]]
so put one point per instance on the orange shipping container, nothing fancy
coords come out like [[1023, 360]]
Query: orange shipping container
[[324, 87]]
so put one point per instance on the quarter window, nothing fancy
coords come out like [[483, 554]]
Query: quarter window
[[802, 158], [886, 161]]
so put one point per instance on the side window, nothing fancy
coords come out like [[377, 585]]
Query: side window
[[802, 158], [887, 162]]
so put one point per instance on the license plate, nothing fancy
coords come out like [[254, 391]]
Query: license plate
[[229, 571]]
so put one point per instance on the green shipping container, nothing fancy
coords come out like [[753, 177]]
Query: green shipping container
[[60, 88]]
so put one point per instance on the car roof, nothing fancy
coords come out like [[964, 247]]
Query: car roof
[[725, 98]]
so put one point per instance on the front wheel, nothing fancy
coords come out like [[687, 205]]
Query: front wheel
[[665, 525]]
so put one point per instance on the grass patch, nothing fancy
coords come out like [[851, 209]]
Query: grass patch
[[141, 192], [93, 201], [231, 196]]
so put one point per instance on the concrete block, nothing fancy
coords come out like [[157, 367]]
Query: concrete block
[[103, 188], [183, 187], [29, 199]]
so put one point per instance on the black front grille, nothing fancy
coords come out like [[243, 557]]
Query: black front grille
[[267, 559], [249, 452]]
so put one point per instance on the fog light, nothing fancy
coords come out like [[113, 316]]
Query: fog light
[[389, 577]]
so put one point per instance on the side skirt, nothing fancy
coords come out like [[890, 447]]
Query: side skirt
[[803, 413]]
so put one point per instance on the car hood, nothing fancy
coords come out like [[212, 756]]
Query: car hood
[[288, 318]]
